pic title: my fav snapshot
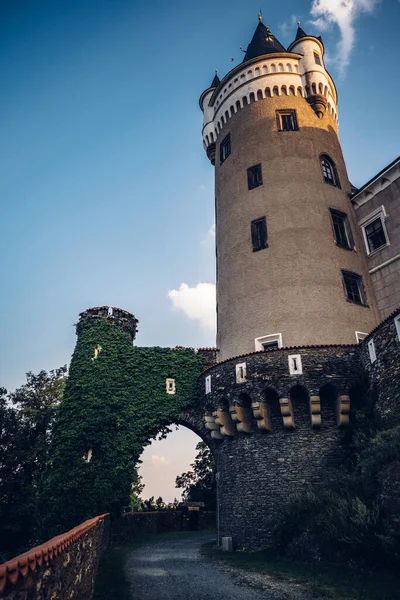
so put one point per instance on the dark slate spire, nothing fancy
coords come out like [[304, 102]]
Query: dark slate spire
[[300, 33], [216, 81], [263, 42]]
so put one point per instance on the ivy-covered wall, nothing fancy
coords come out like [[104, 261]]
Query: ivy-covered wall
[[114, 403]]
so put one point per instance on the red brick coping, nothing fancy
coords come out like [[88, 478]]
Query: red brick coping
[[21, 565]]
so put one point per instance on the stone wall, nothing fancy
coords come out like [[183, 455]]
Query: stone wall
[[384, 372], [301, 440], [64, 568]]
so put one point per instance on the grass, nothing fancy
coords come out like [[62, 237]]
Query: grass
[[333, 581], [111, 580]]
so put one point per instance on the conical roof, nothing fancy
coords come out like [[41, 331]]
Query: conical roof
[[263, 42], [215, 82], [300, 33]]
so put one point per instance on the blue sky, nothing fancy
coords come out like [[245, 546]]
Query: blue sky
[[106, 193]]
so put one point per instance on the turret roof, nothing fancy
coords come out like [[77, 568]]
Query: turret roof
[[263, 42], [216, 81], [300, 33]]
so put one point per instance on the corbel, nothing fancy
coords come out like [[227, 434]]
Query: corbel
[[224, 421], [287, 412], [315, 411], [261, 414], [212, 426], [242, 417], [343, 410]]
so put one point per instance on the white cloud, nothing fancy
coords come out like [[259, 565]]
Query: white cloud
[[160, 461], [342, 13], [198, 303]]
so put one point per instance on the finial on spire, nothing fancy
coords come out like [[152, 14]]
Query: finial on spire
[[298, 23], [216, 70], [260, 15]]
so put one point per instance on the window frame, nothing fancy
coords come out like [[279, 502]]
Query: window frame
[[379, 213], [226, 143], [360, 336], [271, 337], [371, 350], [251, 171], [284, 113], [334, 212], [361, 287], [240, 373], [257, 242], [319, 61], [332, 165]]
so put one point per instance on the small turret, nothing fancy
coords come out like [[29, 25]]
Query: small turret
[[208, 118], [120, 317]]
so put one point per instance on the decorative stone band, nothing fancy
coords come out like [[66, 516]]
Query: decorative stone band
[[19, 567]]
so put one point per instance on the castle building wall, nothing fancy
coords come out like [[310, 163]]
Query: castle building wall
[[381, 200], [263, 293]]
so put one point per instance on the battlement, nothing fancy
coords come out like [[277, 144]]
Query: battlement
[[119, 316]]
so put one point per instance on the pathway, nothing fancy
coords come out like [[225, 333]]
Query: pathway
[[174, 569]]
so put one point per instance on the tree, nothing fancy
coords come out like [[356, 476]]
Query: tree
[[199, 484], [26, 423]]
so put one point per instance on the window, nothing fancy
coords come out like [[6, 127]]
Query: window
[[268, 342], [295, 366], [360, 336], [354, 287], [208, 384], [375, 235], [329, 171], [341, 229], [397, 324], [317, 58], [170, 385], [240, 373], [259, 234], [254, 177], [225, 148], [371, 351], [287, 120]]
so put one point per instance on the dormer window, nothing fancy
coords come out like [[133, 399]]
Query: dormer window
[[329, 171]]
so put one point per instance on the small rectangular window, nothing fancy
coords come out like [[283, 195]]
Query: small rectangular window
[[375, 235], [354, 287], [271, 341], [295, 366], [259, 236], [240, 371], [225, 148], [341, 229], [317, 58], [254, 177], [360, 336], [287, 120], [371, 351]]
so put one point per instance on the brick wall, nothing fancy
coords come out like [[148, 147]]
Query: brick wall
[[64, 568]]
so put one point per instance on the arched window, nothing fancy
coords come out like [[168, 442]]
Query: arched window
[[329, 171]]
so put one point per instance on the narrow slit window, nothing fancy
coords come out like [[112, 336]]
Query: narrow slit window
[[254, 177], [259, 236]]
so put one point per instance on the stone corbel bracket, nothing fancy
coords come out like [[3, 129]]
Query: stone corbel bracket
[[315, 411], [210, 424], [224, 421], [241, 415], [261, 414], [343, 410], [287, 412]]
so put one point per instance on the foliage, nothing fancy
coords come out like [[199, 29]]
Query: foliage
[[135, 501], [115, 401], [26, 421], [199, 484]]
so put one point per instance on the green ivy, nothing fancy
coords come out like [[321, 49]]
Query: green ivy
[[114, 403]]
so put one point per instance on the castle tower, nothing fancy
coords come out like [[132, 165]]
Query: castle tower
[[289, 266]]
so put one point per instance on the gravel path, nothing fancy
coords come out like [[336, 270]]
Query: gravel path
[[175, 570]]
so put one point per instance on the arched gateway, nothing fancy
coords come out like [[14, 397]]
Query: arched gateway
[[263, 424]]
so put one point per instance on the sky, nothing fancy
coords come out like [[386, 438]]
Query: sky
[[106, 192]]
